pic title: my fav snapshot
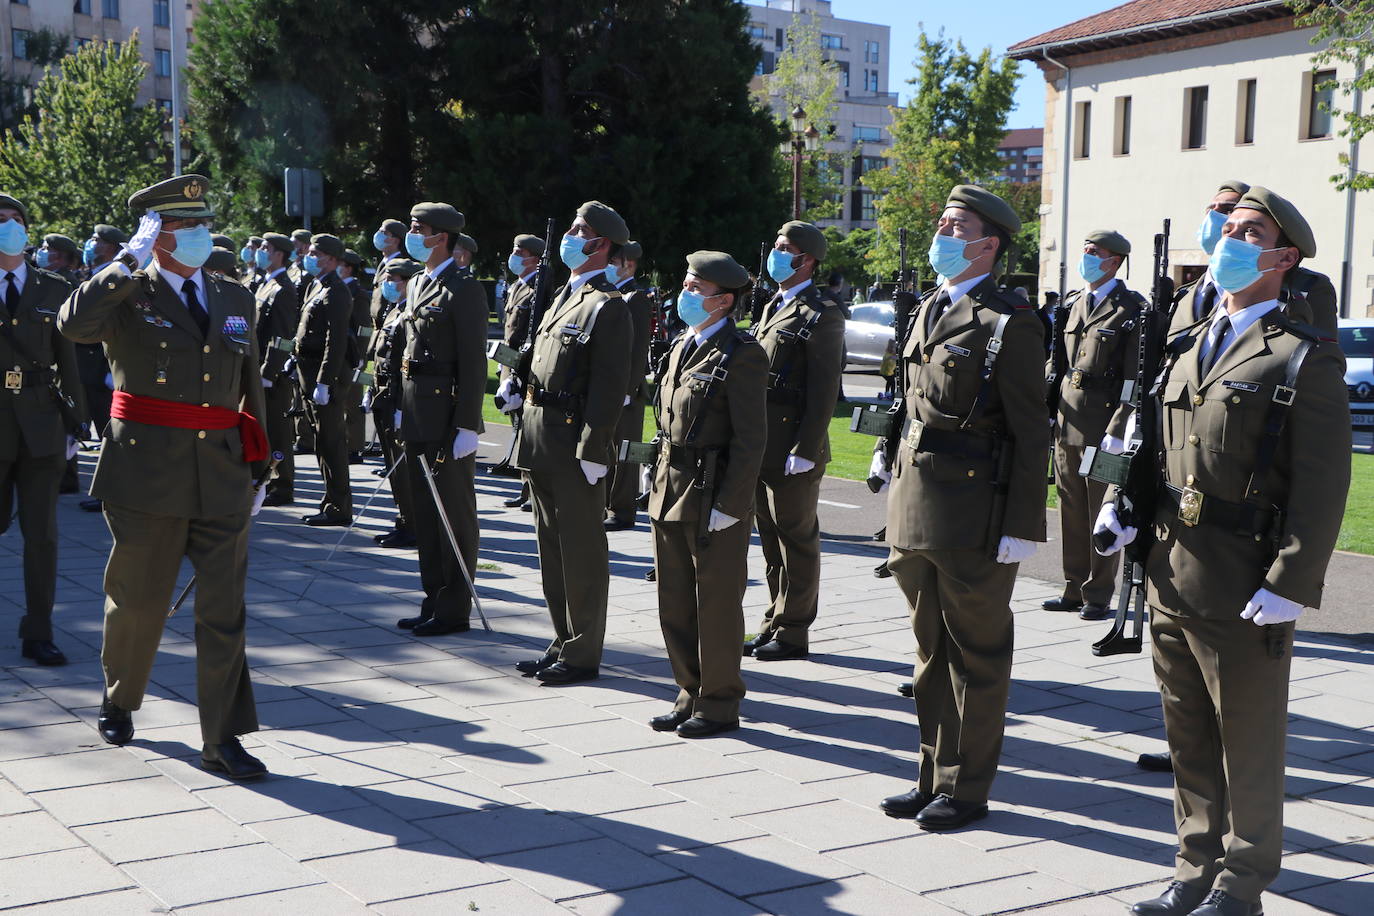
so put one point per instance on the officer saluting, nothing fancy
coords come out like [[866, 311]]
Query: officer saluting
[[711, 447], [1256, 463], [177, 462], [278, 315], [967, 503]]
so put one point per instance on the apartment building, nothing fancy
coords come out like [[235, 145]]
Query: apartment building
[[1022, 154]]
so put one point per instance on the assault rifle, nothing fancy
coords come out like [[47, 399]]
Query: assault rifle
[[761, 292], [519, 360], [888, 426]]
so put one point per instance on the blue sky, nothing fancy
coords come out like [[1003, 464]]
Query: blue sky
[[979, 23]]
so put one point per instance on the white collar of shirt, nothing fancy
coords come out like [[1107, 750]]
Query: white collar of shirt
[[198, 278], [525, 278], [21, 274], [961, 289], [431, 274], [1243, 319], [789, 294], [576, 281], [1103, 291], [703, 335], [624, 283], [388, 257]]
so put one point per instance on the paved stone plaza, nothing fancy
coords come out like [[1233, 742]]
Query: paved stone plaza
[[429, 777]]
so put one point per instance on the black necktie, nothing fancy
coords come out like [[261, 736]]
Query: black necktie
[[1205, 299], [937, 308], [12, 295], [198, 313], [1222, 328]]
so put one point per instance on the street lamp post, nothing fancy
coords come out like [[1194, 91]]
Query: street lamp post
[[805, 138]]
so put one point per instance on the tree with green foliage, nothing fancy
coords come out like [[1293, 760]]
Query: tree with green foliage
[[947, 135], [90, 145], [1345, 33], [847, 254]]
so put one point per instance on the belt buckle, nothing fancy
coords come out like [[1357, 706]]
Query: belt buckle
[[1076, 378], [14, 380], [1190, 506], [914, 433], [405, 366]]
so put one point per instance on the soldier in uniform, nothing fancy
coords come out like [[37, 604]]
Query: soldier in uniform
[[1256, 467], [349, 269], [522, 261], [623, 488], [1102, 346], [967, 502], [803, 334], [323, 342], [178, 461], [40, 414], [300, 241], [60, 255], [249, 272], [223, 265], [383, 399], [578, 380], [713, 420], [278, 317], [100, 249], [438, 352]]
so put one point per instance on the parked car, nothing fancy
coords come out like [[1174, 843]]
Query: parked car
[[868, 333], [1356, 337]]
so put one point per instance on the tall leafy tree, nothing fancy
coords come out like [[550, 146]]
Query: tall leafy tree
[[89, 146], [948, 135], [1345, 34]]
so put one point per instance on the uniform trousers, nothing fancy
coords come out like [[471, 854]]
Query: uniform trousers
[[623, 491], [961, 614], [331, 445], [701, 611], [392, 449], [1226, 717], [34, 481], [139, 579], [1089, 576], [356, 419], [574, 562], [447, 597], [280, 434], [790, 535]]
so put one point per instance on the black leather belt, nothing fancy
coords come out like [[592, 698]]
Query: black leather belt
[[1193, 507], [415, 367], [542, 398], [1080, 379], [18, 379], [922, 438], [307, 351], [785, 396]]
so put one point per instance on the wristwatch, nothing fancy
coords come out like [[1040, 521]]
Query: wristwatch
[[126, 257]]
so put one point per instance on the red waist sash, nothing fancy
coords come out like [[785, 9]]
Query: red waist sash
[[157, 412]]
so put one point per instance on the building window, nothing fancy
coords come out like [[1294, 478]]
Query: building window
[[867, 211], [1245, 112], [1082, 145], [844, 73], [1035, 151], [82, 7], [20, 2], [869, 163], [832, 43], [1319, 100], [109, 9], [758, 30], [1121, 135], [162, 13], [19, 44], [78, 43], [162, 62], [871, 49], [869, 134], [870, 80], [1195, 117]]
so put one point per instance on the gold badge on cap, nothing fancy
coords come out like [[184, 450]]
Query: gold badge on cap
[[193, 190]]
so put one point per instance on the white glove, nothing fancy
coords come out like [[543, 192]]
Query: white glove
[[796, 464], [141, 245], [396, 420], [72, 447], [719, 521], [1265, 607], [627, 401], [289, 367], [465, 443], [321, 396], [109, 381], [1014, 550], [1107, 521], [267, 383], [592, 471], [367, 401], [1112, 445], [511, 398], [258, 496], [878, 468]]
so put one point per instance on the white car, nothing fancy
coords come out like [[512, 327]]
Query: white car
[[1356, 337], [868, 332]]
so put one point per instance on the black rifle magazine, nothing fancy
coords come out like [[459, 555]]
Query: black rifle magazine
[[504, 354]]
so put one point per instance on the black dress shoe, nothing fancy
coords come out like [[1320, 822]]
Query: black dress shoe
[[563, 673], [355, 457], [399, 539], [410, 623], [1094, 612], [651, 575], [944, 813], [232, 760], [908, 804], [515, 502], [777, 651], [907, 689], [302, 450], [527, 506], [43, 651], [697, 727], [669, 721], [326, 520], [881, 571], [91, 505], [759, 639], [1156, 763], [1061, 604], [279, 499], [535, 665], [1220, 903], [436, 627], [116, 726], [1178, 899], [618, 524]]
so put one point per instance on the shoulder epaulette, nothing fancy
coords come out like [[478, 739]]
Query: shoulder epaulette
[[1297, 328], [1000, 302]]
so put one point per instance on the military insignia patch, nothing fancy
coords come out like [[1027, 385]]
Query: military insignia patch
[[235, 326]]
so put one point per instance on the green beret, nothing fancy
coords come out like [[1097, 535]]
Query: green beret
[[402, 267], [1109, 239], [531, 243], [352, 258], [1291, 222], [328, 244], [300, 235], [604, 221], [987, 205], [632, 251], [718, 268], [220, 240], [7, 201], [278, 241], [57, 242], [1235, 185], [467, 241], [109, 234], [222, 260], [439, 217], [182, 197], [395, 228], [808, 238]]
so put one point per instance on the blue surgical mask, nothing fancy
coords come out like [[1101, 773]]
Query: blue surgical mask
[[691, 308], [379, 239], [613, 275], [263, 258], [416, 248], [391, 291], [41, 258], [13, 237], [780, 265], [515, 264], [570, 250], [246, 254], [1235, 264], [1090, 267], [311, 265], [88, 252], [1209, 232], [946, 255], [193, 245]]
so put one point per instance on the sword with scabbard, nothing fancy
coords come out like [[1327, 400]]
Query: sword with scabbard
[[452, 538]]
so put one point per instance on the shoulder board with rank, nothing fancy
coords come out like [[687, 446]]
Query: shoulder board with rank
[[1297, 328]]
